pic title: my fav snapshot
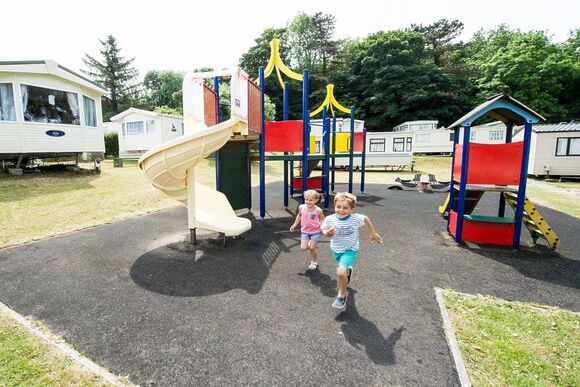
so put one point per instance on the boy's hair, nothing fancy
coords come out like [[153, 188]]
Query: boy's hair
[[350, 198], [313, 193]]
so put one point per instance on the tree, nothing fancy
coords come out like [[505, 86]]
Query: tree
[[529, 67], [310, 41], [161, 88], [438, 36], [389, 79], [115, 74]]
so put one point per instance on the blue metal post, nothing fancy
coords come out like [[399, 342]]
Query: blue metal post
[[305, 132], [452, 189], [217, 154], [285, 114], [351, 146], [262, 148], [333, 132], [462, 184], [363, 161], [326, 164], [522, 187]]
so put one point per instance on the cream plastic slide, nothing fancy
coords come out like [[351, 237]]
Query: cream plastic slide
[[171, 166]]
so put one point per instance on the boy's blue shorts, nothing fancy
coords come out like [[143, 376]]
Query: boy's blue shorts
[[346, 258], [306, 236]]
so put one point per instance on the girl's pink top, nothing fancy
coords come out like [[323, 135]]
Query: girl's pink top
[[310, 220]]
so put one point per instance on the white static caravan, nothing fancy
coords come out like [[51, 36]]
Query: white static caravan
[[554, 149], [383, 149], [140, 130], [47, 110]]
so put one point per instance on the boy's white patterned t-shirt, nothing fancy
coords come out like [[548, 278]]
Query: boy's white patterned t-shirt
[[346, 236]]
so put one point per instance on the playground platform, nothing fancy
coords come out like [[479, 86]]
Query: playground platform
[[140, 301]]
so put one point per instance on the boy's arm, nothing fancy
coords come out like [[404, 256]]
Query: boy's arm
[[371, 229], [326, 229]]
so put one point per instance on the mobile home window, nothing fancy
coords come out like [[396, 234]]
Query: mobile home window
[[90, 112], [472, 136], [49, 105], [399, 144], [150, 126], [317, 147], [568, 146], [135, 128], [409, 144], [422, 138], [7, 112], [377, 145], [495, 135]]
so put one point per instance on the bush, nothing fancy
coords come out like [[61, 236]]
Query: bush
[[112, 144]]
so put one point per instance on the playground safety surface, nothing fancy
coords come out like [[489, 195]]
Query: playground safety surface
[[140, 301]]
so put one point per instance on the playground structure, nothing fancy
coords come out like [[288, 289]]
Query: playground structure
[[291, 141], [171, 166], [479, 168]]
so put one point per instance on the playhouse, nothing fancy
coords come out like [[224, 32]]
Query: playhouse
[[494, 168], [47, 110]]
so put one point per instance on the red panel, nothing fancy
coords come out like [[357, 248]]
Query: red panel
[[254, 107], [498, 164], [284, 136], [482, 232], [210, 112], [359, 139], [313, 182]]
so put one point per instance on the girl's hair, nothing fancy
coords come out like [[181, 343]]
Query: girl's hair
[[350, 198], [314, 194]]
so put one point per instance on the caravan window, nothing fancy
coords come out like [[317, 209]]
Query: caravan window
[[568, 146], [49, 105], [495, 135], [90, 113], [377, 145], [150, 126], [399, 144], [409, 144], [7, 112], [422, 138], [135, 128]]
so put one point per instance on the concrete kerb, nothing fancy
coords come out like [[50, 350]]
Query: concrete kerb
[[452, 341], [69, 351]]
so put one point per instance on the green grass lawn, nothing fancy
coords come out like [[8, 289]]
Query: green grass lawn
[[515, 344], [26, 360]]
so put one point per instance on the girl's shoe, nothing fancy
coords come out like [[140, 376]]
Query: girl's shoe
[[313, 266]]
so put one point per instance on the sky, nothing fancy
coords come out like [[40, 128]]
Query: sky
[[183, 35]]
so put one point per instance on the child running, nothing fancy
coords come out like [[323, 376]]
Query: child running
[[309, 217], [342, 227]]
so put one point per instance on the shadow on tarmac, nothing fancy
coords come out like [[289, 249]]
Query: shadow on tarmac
[[185, 270], [359, 331]]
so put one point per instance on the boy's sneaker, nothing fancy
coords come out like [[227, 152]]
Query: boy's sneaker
[[349, 274], [339, 302], [313, 266]]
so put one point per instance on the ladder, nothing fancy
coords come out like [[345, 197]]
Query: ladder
[[534, 222]]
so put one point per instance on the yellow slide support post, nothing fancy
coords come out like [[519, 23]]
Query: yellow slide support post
[[534, 222]]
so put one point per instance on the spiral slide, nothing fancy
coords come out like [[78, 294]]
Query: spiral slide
[[171, 169]]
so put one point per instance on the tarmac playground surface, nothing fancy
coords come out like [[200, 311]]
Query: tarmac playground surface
[[138, 299]]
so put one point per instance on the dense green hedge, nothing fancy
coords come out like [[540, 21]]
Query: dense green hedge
[[112, 145]]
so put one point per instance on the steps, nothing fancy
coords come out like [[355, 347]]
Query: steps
[[534, 222]]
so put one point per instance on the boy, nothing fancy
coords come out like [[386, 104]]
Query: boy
[[342, 227]]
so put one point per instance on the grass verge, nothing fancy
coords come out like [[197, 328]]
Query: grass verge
[[513, 343], [26, 360]]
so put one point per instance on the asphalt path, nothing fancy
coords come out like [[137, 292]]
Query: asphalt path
[[136, 297]]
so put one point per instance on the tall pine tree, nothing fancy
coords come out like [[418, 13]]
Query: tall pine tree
[[115, 74]]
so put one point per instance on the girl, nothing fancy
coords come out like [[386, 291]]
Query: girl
[[310, 217]]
